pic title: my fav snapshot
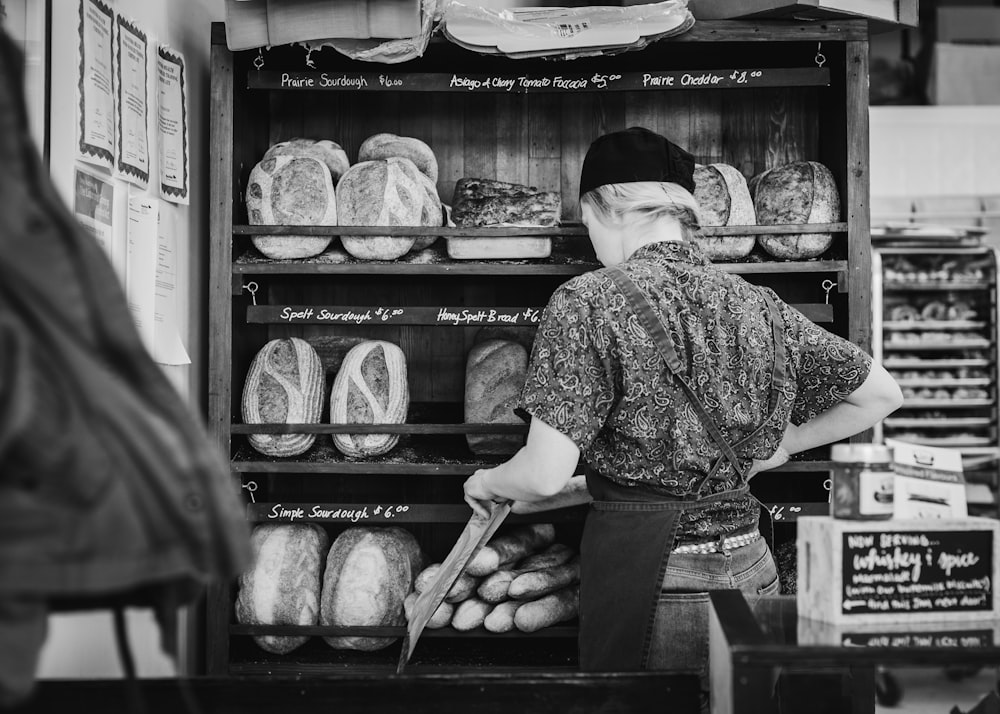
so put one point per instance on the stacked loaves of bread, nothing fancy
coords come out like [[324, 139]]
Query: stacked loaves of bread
[[285, 385], [311, 182], [298, 578], [522, 579], [494, 375]]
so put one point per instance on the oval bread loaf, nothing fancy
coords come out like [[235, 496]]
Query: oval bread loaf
[[501, 617], [538, 583], [284, 385], [283, 584], [369, 573], [511, 547], [329, 152], [555, 554], [800, 192], [291, 191], [440, 618], [723, 200], [494, 587], [549, 610], [387, 146], [470, 614], [370, 388], [387, 192], [494, 376]]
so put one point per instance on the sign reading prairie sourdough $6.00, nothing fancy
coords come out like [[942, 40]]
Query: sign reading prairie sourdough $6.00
[[933, 571]]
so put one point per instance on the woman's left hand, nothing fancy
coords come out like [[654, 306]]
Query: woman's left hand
[[477, 493]]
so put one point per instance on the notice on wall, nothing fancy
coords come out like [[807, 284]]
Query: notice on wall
[[925, 571], [172, 125], [95, 125], [140, 276], [168, 348], [132, 104], [96, 205]]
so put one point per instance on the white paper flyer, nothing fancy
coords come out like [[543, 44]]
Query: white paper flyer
[[95, 124], [172, 125], [132, 104]]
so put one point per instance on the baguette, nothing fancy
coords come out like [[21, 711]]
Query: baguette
[[538, 583], [511, 547], [501, 618], [470, 614], [549, 610], [493, 588], [555, 554], [460, 590], [440, 618]]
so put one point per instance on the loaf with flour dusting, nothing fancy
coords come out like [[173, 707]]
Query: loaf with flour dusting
[[284, 385], [284, 582], [370, 388], [494, 376]]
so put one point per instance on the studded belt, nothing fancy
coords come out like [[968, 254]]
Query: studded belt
[[714, 546]]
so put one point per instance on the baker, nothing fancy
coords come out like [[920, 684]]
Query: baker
[[676, 382]]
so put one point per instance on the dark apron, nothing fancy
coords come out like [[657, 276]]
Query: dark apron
[[630, 531]]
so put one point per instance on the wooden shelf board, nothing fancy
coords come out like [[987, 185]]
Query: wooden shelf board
[[945, 403], [937, 287], [444, 632], [917, 363], [934, 325], [565, 230], [945, 382]]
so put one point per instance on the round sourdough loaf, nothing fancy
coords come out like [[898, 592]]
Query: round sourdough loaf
[[291, 191], [386, 192], [369, 573], [387, 146], [282, 586], [800, 192], [329, 152], [494, 375], [370, 388], [723, 200], [284, 385]]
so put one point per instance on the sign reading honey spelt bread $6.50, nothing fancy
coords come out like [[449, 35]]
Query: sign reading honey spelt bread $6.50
[[899, 570]]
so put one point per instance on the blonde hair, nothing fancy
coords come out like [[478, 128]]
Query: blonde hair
[[645, 202]]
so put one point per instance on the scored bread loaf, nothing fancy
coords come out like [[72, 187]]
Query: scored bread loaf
[[370, 388], [284, 385], [329, 152], [549, 610], [538, 583], [723, 200], [384, 192], [494, 376], [291, 191], [511, 547], [282, 585], [369, 573], [800, 192], [387, 146]]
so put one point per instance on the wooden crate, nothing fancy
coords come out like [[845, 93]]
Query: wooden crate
[[913, 571], [770, 103]]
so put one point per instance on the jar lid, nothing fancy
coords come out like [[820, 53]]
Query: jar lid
[[877, 453]]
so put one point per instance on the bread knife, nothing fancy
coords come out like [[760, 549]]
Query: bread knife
[[473, 537]]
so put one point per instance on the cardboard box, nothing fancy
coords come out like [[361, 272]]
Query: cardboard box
[[964, 74], [902, 571]]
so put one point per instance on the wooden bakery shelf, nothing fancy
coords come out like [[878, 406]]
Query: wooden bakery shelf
[[938, 287], [946, 403], [931, 423], [934, 346], [946, 382], [944, 363], [934, 325], [328, 631]]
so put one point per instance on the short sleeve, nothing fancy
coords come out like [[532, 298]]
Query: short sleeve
[[830, 368], [570, 382]]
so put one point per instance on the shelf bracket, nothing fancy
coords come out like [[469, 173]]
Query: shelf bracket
[[237, 288]]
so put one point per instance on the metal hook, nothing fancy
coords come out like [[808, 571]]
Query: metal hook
[[820, 57], [252, 289], [258, 61], [827, 285], [251, 487], [828, 485]]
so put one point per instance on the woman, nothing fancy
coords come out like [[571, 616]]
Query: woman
[[676, 382]]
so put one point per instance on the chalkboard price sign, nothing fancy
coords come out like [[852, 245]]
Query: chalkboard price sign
[[917, 571]]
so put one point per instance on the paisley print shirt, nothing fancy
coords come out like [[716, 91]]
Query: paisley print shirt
[[596, 376]]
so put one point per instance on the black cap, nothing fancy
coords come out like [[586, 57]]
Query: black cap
[[635, 154]]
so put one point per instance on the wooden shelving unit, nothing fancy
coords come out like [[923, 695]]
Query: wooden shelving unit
[[794, 109]]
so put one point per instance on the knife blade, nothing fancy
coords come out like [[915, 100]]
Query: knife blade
[[473, 537]]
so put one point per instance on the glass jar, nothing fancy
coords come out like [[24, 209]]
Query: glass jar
[[862, 482]]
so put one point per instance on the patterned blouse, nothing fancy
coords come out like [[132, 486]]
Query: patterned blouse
[[596, 376]]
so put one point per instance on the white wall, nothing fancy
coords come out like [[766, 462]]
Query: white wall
[[83, 645]]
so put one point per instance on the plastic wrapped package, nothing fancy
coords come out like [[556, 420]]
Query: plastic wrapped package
[[386, 51], [562, 32]]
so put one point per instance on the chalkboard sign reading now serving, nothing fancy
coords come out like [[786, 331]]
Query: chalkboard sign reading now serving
[[897, 571], [936, 571]]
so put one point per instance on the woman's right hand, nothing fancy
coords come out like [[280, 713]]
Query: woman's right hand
[[778, 458]]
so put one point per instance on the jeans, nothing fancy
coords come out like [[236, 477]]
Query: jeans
[[680, 627]]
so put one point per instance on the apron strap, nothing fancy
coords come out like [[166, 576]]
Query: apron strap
[[658, 333]]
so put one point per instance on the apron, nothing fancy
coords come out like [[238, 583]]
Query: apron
[[629, 531]]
